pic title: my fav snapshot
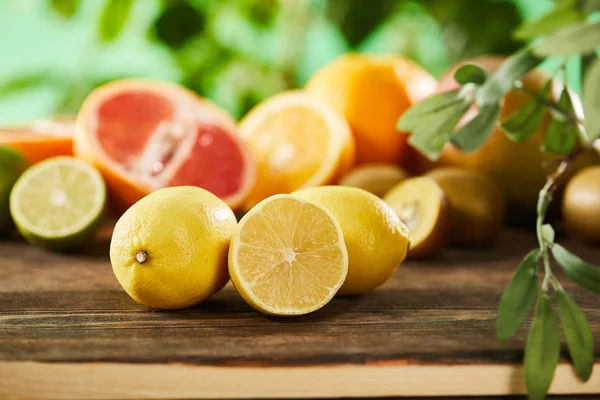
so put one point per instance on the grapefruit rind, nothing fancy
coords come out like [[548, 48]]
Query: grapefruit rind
[[191, 111]]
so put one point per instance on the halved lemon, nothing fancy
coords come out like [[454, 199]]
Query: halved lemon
[[288, 256], [299, 141]]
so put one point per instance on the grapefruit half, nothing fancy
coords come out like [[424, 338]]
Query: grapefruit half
[[144, 135]]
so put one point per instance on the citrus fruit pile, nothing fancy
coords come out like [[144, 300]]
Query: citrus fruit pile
[[331, 197], [289, 255]]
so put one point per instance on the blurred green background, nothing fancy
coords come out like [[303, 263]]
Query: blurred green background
[[236, 52]]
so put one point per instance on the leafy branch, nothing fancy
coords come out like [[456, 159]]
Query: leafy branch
[[568, 30]]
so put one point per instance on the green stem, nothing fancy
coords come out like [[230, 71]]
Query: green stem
[[545, 198], [569, 116], [544, 201]]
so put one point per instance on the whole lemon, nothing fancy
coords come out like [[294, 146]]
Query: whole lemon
[[169, 250], [376, 240]]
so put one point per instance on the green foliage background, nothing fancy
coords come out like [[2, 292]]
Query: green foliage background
[[236, 52]]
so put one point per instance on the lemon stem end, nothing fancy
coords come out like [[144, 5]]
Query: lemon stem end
[[141, 256]]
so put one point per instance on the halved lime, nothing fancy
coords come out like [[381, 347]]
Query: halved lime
[[12, 164], [58, 203]]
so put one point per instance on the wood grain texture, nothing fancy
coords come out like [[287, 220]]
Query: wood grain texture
[[64, 317]]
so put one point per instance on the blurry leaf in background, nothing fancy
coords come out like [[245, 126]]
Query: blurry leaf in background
[[29, 81], [574, 39], [178, 23], [66, 8], [591, 101], [232, 31], [262, 13], [357, 18], [476, 27], [201, 42], [323, 42], [563, 14], [414, 33], [199, 57], [113, 18], [240, 85]]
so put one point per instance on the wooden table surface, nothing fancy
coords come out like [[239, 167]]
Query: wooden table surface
[[67, 330]]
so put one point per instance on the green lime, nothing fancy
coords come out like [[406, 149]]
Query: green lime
[[12, 164], [58, 203]]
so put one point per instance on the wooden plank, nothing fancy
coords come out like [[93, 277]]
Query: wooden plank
[[68, 330], [32, 380]]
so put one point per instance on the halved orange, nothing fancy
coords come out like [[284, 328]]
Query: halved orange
[[144, 135], [41, 139], [298, 141]]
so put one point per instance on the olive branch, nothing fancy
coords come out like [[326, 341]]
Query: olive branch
[[571, 29]]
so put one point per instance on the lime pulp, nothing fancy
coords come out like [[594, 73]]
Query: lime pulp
[[58, 203]]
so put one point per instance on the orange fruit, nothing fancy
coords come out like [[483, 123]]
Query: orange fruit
[[144, 135], [298, 141], [519, 168], [40, 140], [373, 92]]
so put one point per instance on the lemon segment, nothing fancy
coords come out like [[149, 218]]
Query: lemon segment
[[288, 256]]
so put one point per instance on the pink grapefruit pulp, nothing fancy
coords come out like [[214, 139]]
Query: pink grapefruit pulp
[[145, 135]]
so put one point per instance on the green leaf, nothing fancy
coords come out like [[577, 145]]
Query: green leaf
[[562, 134], [113, 18], [178, 24], [580, 272], [518, 297], [424, 110], [589, 6], [548, 233], [591, 101], [475, 132], [573, 39], [578, 333], [524, 122], [500, 82], [542, 349], [564, 13], [470, 73], [263, 13], [29, 81], [66, 8], [358, 18], [430, 136]]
